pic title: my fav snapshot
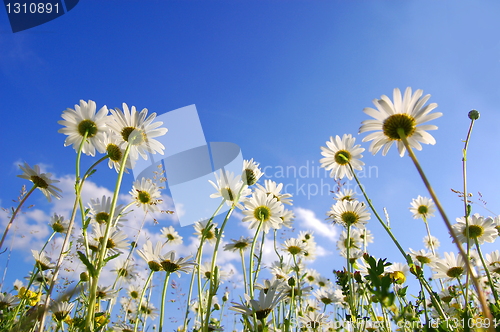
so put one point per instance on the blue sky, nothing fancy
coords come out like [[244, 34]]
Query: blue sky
[[278, 78]]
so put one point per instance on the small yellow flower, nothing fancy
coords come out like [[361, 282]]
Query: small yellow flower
[[32, 297]]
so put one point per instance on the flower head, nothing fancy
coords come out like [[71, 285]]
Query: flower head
[[263, 208], [42, 181], [171, 235], [422, 207], [152, 255], [59, 224], [449, 267], [264, 305], [405, 114], [349, 213], [84, 120], [172, 265], [205, 230], [251, 172], [146, 193], [236, 245], [231, 188], [339, 154], [137, 130], [100, 210], [479, 228]]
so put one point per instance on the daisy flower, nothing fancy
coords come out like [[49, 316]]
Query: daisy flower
[[264, 305], [117, 240], [83, 119], [422, 207], [323, 282], [294, 247], [42, 261], [311, 276], [339, 153], [431, 243], [422, 257], [242, 244], [272, 188], [202, 231], [124, 269], [101, 208], [7, 300], [397, 272], [449, 267], [137, 130], [231, 188], [152, 255], [480, 229], [60, 310], [172, 265], [111, 146], [345, 194], [148, 310], [263, 208], [58, 224], [146, 193], [42, 181], [493, 262], [314, 320], [171, 235], [251, 172], [349, 213], [407, 113], [327, 296]]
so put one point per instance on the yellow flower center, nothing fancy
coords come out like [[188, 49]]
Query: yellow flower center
[[475, 231], [262, 213], [455, 272], [39, 182], [396, 121], [342, 157], [87, 126], [114, 152], [349, 218]]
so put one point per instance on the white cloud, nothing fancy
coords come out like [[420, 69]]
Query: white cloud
[[306, 219]]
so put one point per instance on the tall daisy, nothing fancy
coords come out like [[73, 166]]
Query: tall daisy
[[339, 153], [83, 119], [407, 113], [138, 130], [100, 209], [251, 172], [349, 213], [231, 188], [151, 255], [41, 180], [146, 193], [111, 145], [479, 228], [273, 188], [265, 209], [449, 267], [422, 207], [171, 235]]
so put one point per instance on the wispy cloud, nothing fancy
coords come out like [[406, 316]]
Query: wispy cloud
[[306, 219]]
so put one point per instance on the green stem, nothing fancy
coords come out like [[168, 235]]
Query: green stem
[[141, 298], [163, 297], [14, 214], [488, 274], [252, 249], [480, 294], [102, 253]]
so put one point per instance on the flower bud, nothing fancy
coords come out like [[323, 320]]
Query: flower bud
[[473, 115]]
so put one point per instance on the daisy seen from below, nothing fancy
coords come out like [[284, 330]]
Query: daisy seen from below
[[480, 229], [84, 120], [205, 230], [449, 267], [171, 235], [431, 242], [41, 181], [100, 209], [294, 247], [422, 207], [59, 224], [231, 188], [265, 209], [493, 262], [117, 240], [264, 305], [138, 130], [111, 147], [273, 188], [251, 172], [242, 244], [152, 255], [339, 153], [345, 194], [349, 213], [60, 310], [42, 261], [406, 113], [422, 257], [146, 194], [172, 265]]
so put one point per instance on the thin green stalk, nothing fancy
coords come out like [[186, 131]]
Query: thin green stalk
[[212, 287], [480, 294], [252, 249], [163, 298], [259, 260], [244, 268], [488, 274], [14, 214], [140, 300], [89, 322]]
